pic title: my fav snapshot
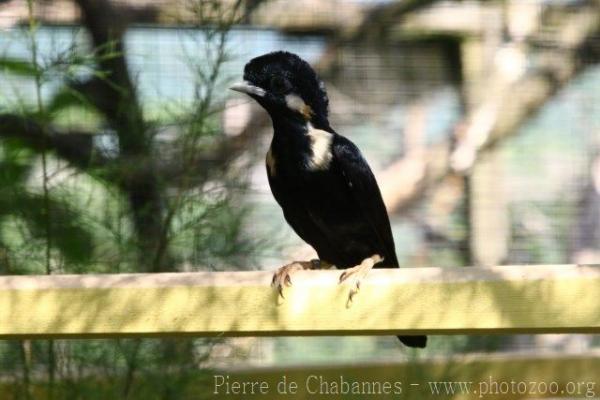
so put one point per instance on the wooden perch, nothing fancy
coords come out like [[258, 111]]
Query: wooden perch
[[508, 299]]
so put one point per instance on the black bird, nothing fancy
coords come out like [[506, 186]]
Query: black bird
[[320, 179]]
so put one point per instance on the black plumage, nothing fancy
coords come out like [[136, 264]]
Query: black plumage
[[320, 179]]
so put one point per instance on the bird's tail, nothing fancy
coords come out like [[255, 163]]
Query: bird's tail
[[414, 341]]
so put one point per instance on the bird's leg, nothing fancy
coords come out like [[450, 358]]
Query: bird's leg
[[357, 273], [282, 276]]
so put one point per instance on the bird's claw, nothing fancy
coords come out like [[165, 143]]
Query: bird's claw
[[357, 273], [282, 277]]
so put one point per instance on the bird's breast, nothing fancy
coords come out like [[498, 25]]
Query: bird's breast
[[319, 190]]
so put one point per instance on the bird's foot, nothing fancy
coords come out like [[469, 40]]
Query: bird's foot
[[282, 276], [357, 273]]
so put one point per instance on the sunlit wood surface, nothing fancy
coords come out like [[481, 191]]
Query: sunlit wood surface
[[504, 299]]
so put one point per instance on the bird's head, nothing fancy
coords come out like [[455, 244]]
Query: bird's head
[[286, 86]]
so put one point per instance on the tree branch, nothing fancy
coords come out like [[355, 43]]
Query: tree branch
[[72, 146], [116, 97]]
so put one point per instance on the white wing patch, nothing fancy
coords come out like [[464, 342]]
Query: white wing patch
[[320, 145]]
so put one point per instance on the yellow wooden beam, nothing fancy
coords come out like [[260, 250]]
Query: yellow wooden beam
[[534, 299]]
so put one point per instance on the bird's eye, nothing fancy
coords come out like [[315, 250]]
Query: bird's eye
[[279, 84]]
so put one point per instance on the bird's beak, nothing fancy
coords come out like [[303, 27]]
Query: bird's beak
[[248, 88]]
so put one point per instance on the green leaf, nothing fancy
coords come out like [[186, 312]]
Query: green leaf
[[18, 67]]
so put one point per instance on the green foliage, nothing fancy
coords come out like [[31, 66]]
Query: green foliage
[[68, 235], [59, 216], [18, 201], [67, 98], [18, 67]]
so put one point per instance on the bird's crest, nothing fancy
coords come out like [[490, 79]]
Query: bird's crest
[[309, 91]]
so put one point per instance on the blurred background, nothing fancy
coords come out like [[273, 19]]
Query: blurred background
[[121, 150]]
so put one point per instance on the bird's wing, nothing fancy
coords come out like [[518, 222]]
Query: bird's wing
[[363, 186]]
